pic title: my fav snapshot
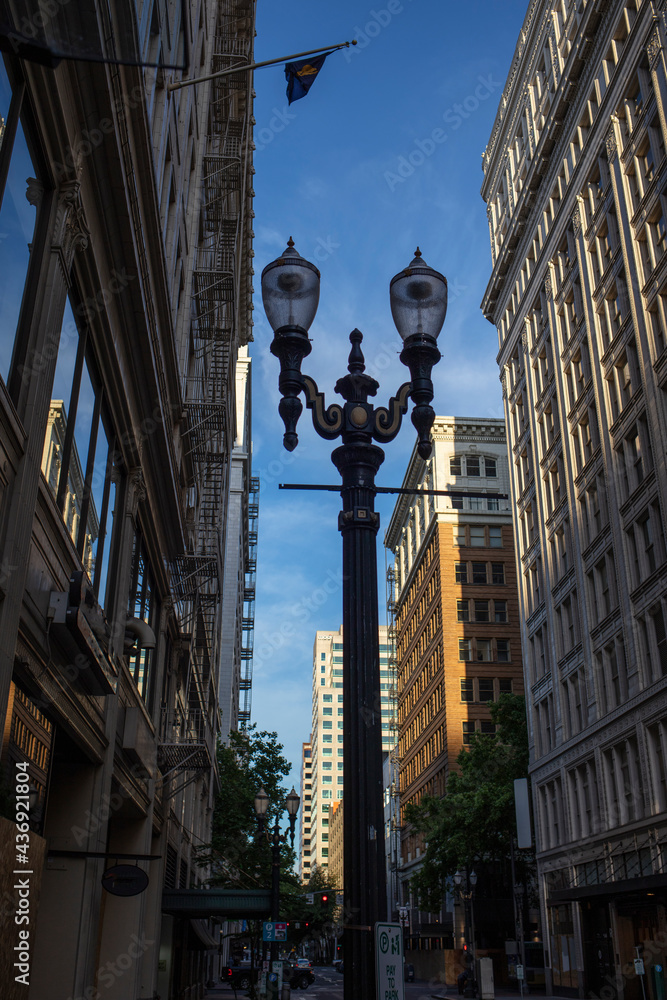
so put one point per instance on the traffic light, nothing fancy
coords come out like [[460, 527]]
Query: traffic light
[[325, 899]]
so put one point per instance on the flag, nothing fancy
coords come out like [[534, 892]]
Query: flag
[[301, 75]]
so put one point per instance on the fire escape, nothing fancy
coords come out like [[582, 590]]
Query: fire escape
[[248, 620], [220, 323]]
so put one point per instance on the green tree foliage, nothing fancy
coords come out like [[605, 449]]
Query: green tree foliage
[[475, 820], [237, 856]]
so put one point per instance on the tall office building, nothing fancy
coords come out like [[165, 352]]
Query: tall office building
[[455, 624], [306, 810], [126, 284], [327, 732], [575, 181]]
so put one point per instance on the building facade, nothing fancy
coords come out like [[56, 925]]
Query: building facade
[[327, 732], [306, 810], [455, 624], [126, 288], [575, 180]]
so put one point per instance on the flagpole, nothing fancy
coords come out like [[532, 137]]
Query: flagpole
[[268, 62]]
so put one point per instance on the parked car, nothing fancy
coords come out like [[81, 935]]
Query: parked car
[[409, 971]]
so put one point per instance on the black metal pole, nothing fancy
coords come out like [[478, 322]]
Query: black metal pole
[[364, 861], [275, 886]]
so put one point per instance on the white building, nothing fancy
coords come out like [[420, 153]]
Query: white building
[[328, 732]]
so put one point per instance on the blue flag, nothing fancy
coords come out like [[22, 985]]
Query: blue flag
[[301, 75]]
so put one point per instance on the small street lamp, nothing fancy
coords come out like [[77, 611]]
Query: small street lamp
[[277, 840], [464, 885], [418, 298]]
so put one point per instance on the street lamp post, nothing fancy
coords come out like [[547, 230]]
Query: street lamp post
[[418, 297], [465, 883], [277, 840]]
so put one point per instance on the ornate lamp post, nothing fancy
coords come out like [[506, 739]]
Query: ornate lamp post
[[418, 296], [277, 840], [465, 883]]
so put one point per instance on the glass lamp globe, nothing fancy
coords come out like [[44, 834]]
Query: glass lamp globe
[[261, 802], [290, 290], [293, 801], [418, 297]]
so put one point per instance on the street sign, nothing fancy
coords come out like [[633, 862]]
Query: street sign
[[519, 972], [274, 931], [639, 966], [389, 961]]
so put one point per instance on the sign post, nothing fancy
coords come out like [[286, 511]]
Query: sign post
[[389, 962]]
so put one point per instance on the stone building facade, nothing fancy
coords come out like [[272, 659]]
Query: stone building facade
[[126, 223], [575, 180]]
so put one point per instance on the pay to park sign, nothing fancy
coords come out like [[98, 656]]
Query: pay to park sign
[[389, 961]]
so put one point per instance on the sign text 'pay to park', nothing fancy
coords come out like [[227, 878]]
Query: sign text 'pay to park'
[[389, 961]]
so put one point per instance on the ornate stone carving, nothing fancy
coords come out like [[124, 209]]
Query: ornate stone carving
[[34, 191], [548, 289], [70, 231], [137, 491], [612, 149], [503, 381], [576, 220], [654, 46]]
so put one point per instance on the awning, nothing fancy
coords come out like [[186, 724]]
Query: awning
[[242, 904], [644, 884]]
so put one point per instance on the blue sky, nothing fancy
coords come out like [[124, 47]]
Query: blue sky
[[383, 155]]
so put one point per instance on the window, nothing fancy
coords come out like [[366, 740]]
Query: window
[[493, 503], [479, 572], [472, 465], [503, 650], [490, 467], [466, 689], [496, 537], [327, 697], [76, 459], [461, 571], [462, 611], [143, 603], [468, 729], [477, 535], [17, 221], [487, 728], [483, 649], [459, 535], [327, 711], [481, 611], [500, 611], [505, 685], [465, 649], [455, 466], [485, 685], [498, 573]]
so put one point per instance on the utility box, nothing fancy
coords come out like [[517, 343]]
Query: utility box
[[485, 989]]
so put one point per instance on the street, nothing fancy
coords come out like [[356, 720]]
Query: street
[[328, 985]]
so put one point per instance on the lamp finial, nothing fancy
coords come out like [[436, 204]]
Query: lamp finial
[[418, 252], [290, 243]]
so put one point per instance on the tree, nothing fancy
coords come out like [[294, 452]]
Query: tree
[[475, 820], [236, 855]]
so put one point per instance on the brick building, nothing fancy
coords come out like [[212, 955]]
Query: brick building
[[455, 623]]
